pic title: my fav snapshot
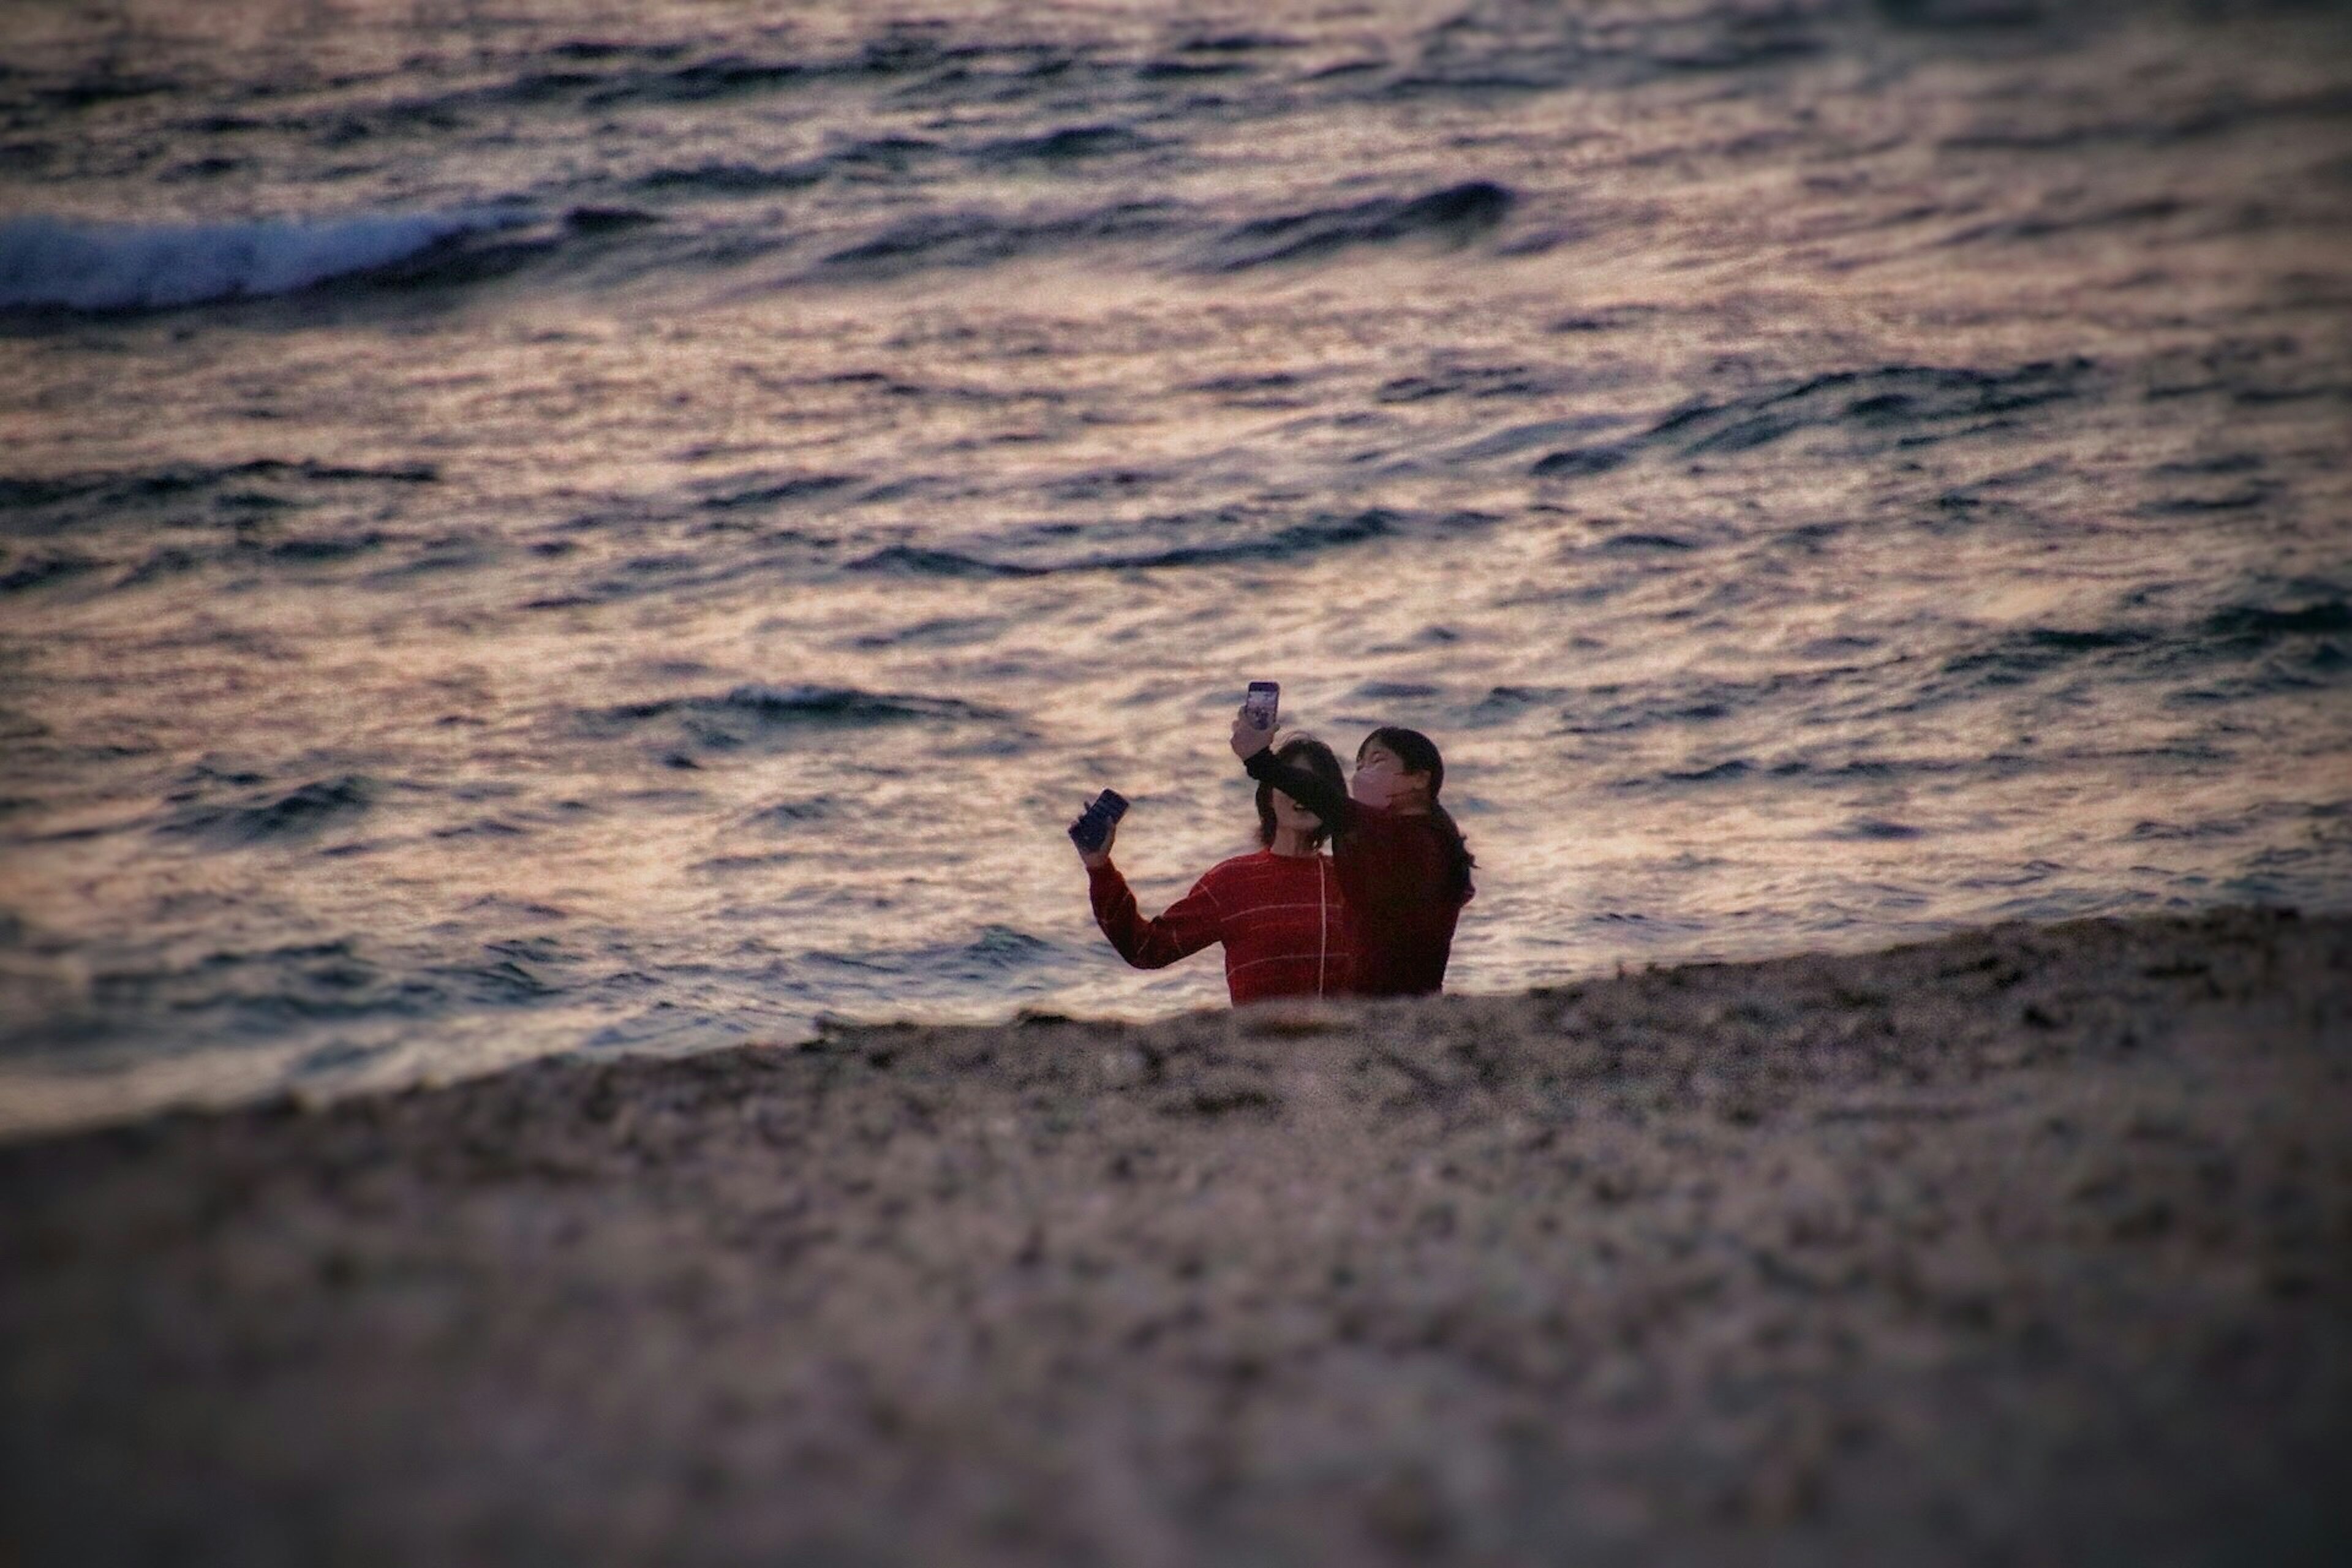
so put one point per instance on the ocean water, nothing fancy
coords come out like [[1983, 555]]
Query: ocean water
[[533, 528]]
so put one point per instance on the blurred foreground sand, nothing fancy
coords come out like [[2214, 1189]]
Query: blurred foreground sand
[[2032, 1245]]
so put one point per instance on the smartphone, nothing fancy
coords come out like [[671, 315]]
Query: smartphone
[[1094, 824], [1264, 700]]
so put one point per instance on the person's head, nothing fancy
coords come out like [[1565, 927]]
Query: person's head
[[1277, 810], [1398, 769]]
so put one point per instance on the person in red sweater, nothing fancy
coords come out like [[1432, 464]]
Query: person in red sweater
[[1402, 862], [1278, 912]]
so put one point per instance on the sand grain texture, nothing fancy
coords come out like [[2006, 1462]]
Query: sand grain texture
[[2032, 1245]]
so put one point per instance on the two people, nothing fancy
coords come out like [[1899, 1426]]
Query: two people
[[1375, 918]]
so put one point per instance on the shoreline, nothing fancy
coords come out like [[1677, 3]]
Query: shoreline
[[2031, 1242]]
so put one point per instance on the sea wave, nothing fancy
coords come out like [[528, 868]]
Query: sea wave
[[49, 263]]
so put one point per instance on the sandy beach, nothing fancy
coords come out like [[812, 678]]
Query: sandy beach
[[2032, 1245]]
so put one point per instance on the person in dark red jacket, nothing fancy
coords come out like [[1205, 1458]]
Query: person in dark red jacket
[[1278, 912], [1401, 862]]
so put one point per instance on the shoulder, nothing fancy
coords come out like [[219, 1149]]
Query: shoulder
[[1261, 874], [1228, 877]]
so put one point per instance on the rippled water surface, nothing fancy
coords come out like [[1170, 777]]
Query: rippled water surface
[[525, 529]]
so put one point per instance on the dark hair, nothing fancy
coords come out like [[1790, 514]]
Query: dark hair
[[1301, 752], [1419, 754]]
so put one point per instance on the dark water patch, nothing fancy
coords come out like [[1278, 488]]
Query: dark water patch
[[1242, 537], [1275, 389], [2242, 499], [1323, 532], [718, 179], [1395, 691], [490, 827], [729, 865], [1188, 70], [321, 549], [449, 553], [770, 489], [1239, 43], [340, 1055], [2014, 657], [613, 49], [2264, 396], [211, 168], [982, 238], [170, 481], [496, 983], [913, 561], [1102, 484], [1876, 829], [608, 219], [1726, 771], [1614, 319], [1512, 440], [1463, 381], [1457, 214], [1506, 704], [2250, 626], [1071, 143], [1581, 462], [91, 92], [2227, 464], [1962, 15], [1643, 543], [701, 81], [41, 570], [881, 154], [787, 816], [464, 259], [752, 715], [294, 817], [1909, 405]]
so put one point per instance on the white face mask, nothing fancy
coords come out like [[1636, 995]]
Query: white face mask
[[1371, 787]]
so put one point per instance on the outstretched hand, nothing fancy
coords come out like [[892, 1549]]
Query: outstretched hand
[[1248, 739]]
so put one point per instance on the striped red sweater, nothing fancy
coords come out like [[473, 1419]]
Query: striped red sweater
[[1280, 917]]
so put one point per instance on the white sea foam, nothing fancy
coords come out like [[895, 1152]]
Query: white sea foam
[[56, 263]]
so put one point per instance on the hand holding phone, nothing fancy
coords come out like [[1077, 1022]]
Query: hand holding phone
[[1263, 703], [1095, 826], [1254, 721]]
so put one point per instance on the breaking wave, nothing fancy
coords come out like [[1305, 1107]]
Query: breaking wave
[[47, 263]]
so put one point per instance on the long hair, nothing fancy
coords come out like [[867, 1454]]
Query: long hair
[[1419, 754], [1300, 752]]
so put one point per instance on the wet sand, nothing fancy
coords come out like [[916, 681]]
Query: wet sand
[[2032, 1245]]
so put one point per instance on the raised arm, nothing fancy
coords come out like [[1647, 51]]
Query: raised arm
[[1190, 925], [1317, 794]]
